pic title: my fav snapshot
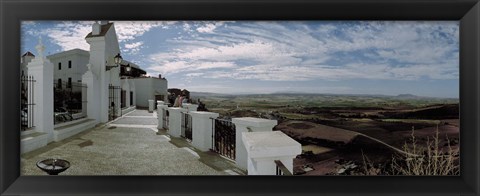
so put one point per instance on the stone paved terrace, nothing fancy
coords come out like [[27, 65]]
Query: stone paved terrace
[[130, 145]]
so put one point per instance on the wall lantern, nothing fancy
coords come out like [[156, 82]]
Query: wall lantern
[[117, 59], [128, 68]]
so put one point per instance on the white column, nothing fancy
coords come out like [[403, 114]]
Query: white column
[[263, 148], [175, 121], [202, 129], [160, 115], [92, 95], [150, 105], [42, 71], [190, 107], [248, 124]]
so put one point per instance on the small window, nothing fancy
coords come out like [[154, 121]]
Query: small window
[[59, 83], [69, 64], [59, 66], [69, 85]]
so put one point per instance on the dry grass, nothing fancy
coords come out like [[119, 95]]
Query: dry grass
[[429, 159]]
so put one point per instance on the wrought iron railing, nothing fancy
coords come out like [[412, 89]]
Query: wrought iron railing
[[223, 138], [113, 101], [27, 102], [69, 96], [186, 126], [281, 169]]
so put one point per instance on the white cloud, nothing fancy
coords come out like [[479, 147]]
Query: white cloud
[[70, 35], [133, 48], [293, 51], [183, 66], [130, 30], [208, 28]]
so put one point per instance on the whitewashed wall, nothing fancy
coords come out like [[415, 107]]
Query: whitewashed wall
[[147, 88], [79, 59]]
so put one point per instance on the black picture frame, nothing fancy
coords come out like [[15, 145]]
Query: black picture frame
[[13, 11]]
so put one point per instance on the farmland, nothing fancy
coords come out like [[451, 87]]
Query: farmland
[[338, 132]]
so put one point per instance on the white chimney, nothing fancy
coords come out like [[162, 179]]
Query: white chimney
[[96, 28]]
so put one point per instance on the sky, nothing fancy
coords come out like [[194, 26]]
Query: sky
[[240, 57]]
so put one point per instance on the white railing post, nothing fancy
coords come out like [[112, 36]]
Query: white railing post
[[202, 128], [175, 121], [263, 148], [42, 71], [248, 124], [150, 105], [160, 114], [160, 103]]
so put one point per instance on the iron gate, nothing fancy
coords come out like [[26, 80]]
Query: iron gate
[[113, 99], [27, 103], [123, 99], [186, 126], [223, 138], [69, 96], [165, 119]]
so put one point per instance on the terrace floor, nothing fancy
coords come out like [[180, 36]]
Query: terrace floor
[[130, 145]]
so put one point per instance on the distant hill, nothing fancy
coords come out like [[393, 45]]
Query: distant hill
[[408, 96], [294, 93], [206, 94]]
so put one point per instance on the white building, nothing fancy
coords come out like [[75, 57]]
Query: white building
[[150, 88], [69, 66], [115, 86]]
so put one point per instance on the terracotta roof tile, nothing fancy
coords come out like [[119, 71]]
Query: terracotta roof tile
[[28, 53], [103, 30]]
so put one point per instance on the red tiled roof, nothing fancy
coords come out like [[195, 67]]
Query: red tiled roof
[[28, 53], [103, 30]]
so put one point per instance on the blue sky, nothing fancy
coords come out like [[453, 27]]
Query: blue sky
[[339, 57]]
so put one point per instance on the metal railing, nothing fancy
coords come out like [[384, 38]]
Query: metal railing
[[27, 102], [113, 99], [186, 126], [223, 138], [69, 96], [281, 169]]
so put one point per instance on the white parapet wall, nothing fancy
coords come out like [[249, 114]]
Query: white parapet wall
[[190, 107], [202, 129], [31, 140], [175, 121], [263, 148], [248, 124]]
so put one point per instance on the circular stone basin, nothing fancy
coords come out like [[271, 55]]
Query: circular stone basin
[[53, 166]]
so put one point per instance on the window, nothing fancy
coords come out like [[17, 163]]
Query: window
[[131, 98], [59, 83], [69, 64], [69, 84], [59, 66]]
